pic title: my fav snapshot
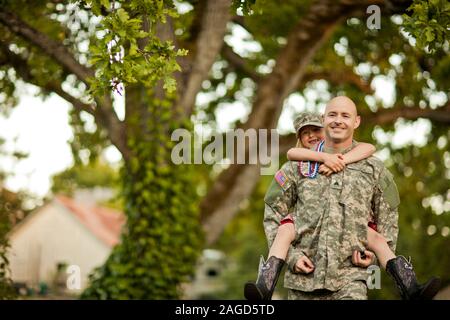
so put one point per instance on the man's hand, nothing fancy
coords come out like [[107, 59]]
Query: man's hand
[[367, 260], [304, 265], [334, 161]]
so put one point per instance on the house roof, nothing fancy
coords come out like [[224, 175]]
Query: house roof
[[104, 223]]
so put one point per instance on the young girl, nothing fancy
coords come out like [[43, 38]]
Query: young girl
[[309, 131]]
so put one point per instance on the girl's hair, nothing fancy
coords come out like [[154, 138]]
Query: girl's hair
[[299, 143]]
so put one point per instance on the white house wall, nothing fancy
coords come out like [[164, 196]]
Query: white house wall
[[53, 235]]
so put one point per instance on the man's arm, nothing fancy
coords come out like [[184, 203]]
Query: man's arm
[[385, 208]]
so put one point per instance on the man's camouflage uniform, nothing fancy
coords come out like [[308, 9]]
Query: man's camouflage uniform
[[331, 216]]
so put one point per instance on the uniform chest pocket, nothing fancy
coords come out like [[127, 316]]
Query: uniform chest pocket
[[311, 202], [311, 190], [357, 186]]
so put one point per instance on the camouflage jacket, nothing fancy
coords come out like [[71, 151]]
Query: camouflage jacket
[[331, 216]]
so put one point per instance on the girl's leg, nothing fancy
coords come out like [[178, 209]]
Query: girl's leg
[[378, 244], [401, 270], [285, 236], [269, 271]]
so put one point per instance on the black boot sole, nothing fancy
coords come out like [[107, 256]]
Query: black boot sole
[[252, 293], [430, 289]]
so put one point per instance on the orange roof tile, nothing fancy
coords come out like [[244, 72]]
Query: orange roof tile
[[104, 223]]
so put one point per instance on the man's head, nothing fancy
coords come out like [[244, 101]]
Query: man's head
[[340, 120], [309, 129]]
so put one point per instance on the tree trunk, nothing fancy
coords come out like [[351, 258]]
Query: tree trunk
[[160, 208]]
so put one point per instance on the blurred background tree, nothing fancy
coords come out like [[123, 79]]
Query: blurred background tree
[[94, 174], [261, 67], [13, 208]]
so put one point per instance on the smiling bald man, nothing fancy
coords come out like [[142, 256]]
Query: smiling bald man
[[331, 213], [340, 121]]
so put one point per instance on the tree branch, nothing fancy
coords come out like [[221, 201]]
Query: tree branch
[[22, 70], [387, 116], [208, 44], [104, 117], [338, 77], [51, 47], [103, 112], [240, 21], [239, 63]]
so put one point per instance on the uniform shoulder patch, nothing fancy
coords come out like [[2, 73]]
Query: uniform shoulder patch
[[282, 179]]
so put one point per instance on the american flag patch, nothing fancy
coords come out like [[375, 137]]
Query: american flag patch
[[281, 178]]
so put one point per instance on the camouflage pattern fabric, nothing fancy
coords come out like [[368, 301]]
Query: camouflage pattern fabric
[[355, 290], [331, 216]]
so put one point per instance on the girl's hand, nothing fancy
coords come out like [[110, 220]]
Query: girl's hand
[[323, 169], [334, 161]]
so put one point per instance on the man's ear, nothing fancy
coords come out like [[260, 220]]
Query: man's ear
[[357, 122]]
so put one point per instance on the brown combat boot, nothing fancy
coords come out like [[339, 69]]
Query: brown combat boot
[[404, 276], [268, 274]]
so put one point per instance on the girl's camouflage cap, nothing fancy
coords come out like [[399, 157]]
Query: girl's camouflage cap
[[307, 119]]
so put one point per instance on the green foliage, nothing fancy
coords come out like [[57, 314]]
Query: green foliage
[[11, 212], [119, 54], [42, 68], [85, 176], [244, 5], [10, 206], [429, 23], [272, 21], [88, 141], [422, 227], [6, 289]]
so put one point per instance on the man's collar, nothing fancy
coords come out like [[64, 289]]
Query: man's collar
[[340, 150]]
